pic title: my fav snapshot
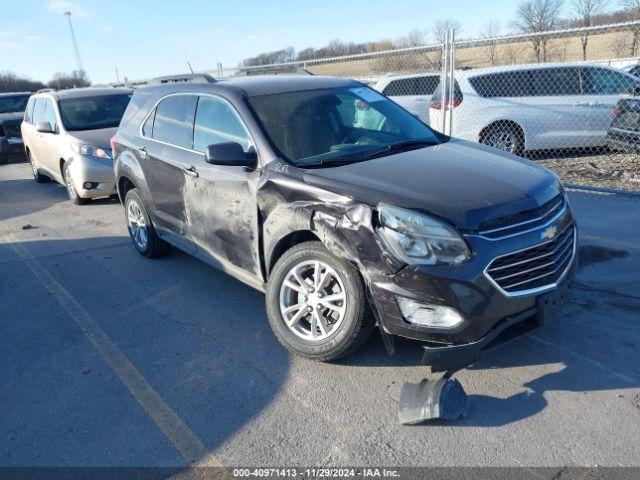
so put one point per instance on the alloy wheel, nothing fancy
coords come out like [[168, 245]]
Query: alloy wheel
[[503, 140], [313, 300], [137, 225]]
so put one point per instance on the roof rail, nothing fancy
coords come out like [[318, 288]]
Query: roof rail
[[45, 90], [186, 78]]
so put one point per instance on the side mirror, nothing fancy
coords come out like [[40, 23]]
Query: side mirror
[[229, 153], [44, 127]]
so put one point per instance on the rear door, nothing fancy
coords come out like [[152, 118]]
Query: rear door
[[558, 113], [167, 158], [603, 88], [220, 202], [31, 137]]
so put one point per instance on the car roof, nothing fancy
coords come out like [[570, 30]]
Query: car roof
[[12, 94], [531, 66], [85, 92], [258, 85]]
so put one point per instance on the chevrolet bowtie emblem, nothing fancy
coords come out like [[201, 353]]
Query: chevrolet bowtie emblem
[[549, 233]]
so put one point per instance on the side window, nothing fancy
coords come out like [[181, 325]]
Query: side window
[[599, 81], [426, 85], [38, 110], [217, 122], [505, 84], [556, 81], [147, 128], [173, 121], [28, 113], [50, 115], [399, 88]]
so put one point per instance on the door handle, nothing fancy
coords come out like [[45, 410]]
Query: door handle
[[191, 171], [143, 152]]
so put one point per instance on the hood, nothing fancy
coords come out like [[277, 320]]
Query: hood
[[13, 117], [462, 182], [99, 138]]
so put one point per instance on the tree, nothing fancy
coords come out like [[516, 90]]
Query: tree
[[535, 16], [75, 79], [10, 82], [632, 7], [489, 33], [619, 46], [585, 12], [416, 38], [441, 27]]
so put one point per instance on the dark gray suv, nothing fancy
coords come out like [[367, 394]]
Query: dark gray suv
[[347, 211]]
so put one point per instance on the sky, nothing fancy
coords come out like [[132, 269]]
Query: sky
[[147, 38]]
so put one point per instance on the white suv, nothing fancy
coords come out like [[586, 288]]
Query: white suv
[[534, 107], [413, 92]]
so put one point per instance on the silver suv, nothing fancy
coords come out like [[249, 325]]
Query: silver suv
[[66, 138]]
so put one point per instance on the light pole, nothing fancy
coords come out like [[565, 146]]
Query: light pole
[[75, 43]]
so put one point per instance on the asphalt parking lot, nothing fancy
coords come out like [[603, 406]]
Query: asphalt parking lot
[[110, 359]]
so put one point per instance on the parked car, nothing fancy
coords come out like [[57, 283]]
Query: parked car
[[12, 106], [532, 107], [343, 227], [633, 69], [413, 92], [66, 138], [624, 131]]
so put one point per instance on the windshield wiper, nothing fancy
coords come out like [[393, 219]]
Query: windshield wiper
[[399, 147]]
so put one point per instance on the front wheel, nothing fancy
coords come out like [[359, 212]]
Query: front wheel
[[316, 304], [73, 194]]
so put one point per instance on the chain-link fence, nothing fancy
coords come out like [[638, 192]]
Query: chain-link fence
[[566, 98]]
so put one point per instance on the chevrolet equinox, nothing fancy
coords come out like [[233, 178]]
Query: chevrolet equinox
[[276, 181]]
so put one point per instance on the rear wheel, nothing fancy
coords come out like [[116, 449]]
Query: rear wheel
[[74, 196], [39, 177], [316, 304], [142, 232], [504, 136]]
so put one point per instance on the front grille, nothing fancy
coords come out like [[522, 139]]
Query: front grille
[[534, 267], [524, 221]]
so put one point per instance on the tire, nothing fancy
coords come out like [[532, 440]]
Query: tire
[[141, 228], [504, 136], [74, 196], [342, 332], [39, 177]]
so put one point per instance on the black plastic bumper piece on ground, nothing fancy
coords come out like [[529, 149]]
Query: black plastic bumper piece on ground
[[443, 399]]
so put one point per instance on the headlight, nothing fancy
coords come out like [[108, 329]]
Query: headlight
[[417, 239], [90, 150]]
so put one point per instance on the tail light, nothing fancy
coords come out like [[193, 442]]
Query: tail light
[[112, 142], [616, 112], [438, 105]]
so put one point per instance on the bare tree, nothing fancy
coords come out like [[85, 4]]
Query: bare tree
[[489, 32], [535, 16], [75, 79], [10, 82], [441, 27], [632, 7], [415, 38], [585, 12], [619, 46]]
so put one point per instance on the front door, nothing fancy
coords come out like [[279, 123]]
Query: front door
[[167, 159], [221, 206]]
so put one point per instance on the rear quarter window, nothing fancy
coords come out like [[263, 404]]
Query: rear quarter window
[[503, 84], [412, 86]]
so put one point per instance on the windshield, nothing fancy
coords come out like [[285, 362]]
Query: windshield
[[92, 113], [338, 125], [13, 104]]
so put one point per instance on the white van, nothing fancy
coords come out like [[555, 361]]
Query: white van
[[534, 107], [412, 92]]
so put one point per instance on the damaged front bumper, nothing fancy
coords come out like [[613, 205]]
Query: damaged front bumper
[[490, 316]]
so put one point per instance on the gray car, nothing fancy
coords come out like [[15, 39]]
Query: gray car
[[12, 106], [66, 138]]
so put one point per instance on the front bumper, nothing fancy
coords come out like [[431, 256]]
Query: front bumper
[[96, 171], [486, 309]]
